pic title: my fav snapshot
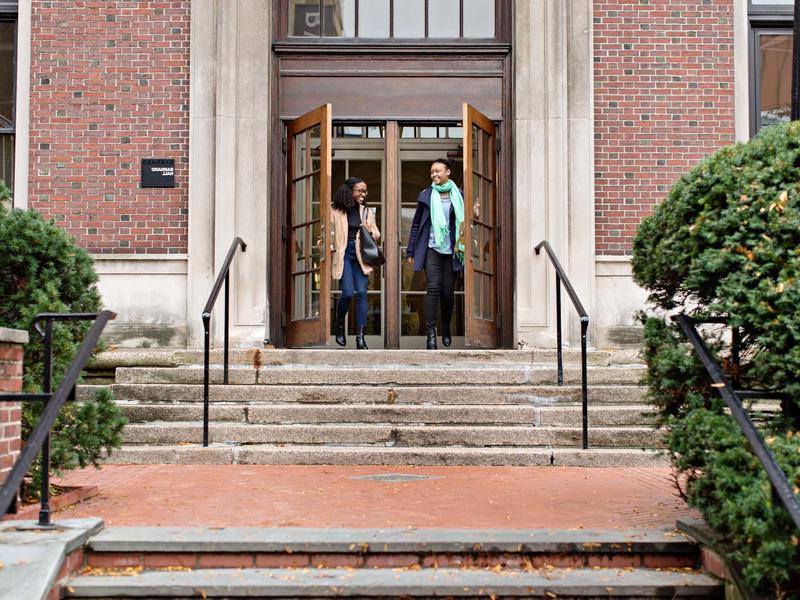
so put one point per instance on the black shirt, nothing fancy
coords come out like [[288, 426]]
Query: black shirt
[[353, 221]]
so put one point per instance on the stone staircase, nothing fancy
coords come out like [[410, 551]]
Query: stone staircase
[[457, 407], [388, 563]]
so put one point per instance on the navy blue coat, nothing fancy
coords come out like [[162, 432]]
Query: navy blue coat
[[421, 232]]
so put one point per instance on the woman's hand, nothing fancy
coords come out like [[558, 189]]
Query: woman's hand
[[410, 260], [476, 210]]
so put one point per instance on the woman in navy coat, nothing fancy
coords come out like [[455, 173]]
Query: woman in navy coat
[[435, 246]]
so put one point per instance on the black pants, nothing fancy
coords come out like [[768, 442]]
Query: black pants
[[441, 283]]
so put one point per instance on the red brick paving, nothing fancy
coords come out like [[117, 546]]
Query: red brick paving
[[327, 496]]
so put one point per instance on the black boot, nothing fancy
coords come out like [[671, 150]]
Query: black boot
[[340, 337], [361, 343], [431, 341], [446, 339]]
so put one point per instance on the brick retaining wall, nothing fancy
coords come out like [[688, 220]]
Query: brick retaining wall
[[11, 344]]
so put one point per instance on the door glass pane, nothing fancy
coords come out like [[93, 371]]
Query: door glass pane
[[340, 18], [477, 196], [306, 296], [409, 19], [299, 158], [486, 147], [479, 18], [373, 18], [317, 246], [775, 78], [315, 148], [476, 245], [487, 204], [477, 294], [487, 298], [486, 252], [443, 18], [302, 195], [314, 182], [476, 141], [300, 249]]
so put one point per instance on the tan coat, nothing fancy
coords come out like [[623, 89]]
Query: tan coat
[[339, 246]]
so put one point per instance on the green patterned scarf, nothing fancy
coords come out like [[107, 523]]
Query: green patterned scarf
[[441, 228]]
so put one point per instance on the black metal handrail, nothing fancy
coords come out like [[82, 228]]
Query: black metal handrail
[[222, 278], [561, 276], [780, 483], [39, 438]]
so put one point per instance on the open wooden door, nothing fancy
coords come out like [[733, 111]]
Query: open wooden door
[[480, 230], [308, 235]]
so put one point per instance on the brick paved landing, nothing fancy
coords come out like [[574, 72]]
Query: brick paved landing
[[341, 496]]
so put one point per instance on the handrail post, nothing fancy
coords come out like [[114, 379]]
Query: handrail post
[[559, 352], [584, 383], [206, 341], [47, 388], [227, 324]]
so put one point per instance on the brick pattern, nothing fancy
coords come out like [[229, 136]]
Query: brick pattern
[[10, 412], [664, 99], [110, 86]]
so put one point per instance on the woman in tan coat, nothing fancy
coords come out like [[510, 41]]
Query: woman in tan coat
[[349, 214]]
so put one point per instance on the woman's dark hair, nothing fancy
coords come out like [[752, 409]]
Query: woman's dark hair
[[343, 197], [449, 164]]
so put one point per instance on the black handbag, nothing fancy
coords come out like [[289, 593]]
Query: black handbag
[[371, 253]]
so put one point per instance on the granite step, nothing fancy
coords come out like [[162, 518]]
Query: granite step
[[299, 454], [369, 375], [344, 356], [375, 394], [254, 412], [400, 583], [163, 432]]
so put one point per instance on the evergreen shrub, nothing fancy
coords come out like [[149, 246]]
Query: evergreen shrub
[[42, 270], [726, 242]]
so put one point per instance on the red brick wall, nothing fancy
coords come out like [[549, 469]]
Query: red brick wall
[[664, 90], [10, 412], [110, 86]]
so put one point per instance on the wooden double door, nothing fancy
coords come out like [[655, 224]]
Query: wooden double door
[[394, 159]]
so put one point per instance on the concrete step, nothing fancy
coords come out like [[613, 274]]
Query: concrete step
[[396, 583], [390, 413], [342, 356], [162, 432], [324, 394], [272, 454], [658, 547], [444, 357], [369, 375]]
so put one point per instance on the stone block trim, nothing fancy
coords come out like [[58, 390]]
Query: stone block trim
[[110, 86], [664, 99], [11, 355]]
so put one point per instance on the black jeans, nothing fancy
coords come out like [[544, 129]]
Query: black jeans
[[441, 283]]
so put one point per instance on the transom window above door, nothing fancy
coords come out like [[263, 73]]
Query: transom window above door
[[392, 19]]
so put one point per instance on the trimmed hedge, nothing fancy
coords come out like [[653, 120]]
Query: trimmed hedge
[[42, 270], [726, 241]]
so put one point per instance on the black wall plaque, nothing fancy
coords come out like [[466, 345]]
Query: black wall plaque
[[158, 172]]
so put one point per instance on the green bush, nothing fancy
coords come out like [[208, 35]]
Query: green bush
[[42, 270], [726, 241]]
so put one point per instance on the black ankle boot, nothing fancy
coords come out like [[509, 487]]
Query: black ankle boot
[[446, 339], [361, 343], [340, 337], [431, 341]]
